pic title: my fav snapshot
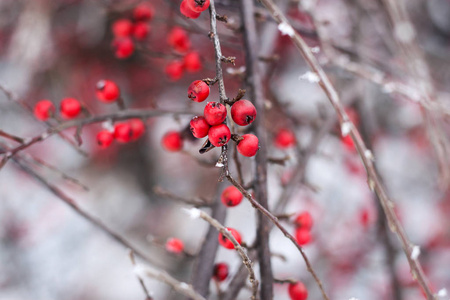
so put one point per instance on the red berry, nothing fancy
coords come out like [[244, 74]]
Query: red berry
[[105, 138], [137, 127], [215, 113], [175, 70], [285, 138], [107, 91], [198, 91], [192, 62], [198, 5], [122, 28], [298, 291], [174, 245], [348, 143], [243, 112], [187, 11], [123, 132], [143, 12], [199, 127], [304, 220], [225, 242], [231, 196], [303, 236], [44, 109], [172, 141], [140, 31], [220, 272], [219, 135], [123, 47], [249, 145], [179, 39], [70, 108]]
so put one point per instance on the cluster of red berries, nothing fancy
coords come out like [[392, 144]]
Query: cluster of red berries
[[193, 8], [69, 108], [178, 39], [298, 291], [125, 30], [303, 223]]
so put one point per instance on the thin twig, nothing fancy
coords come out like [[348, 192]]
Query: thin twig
[[141, 281], [166, 194]]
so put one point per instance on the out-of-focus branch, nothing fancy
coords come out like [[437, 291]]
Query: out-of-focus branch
[[141, 281], [196, 202]]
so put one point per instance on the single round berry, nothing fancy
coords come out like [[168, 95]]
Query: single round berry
[[225, 242], [172, 141], [174, 70], [174, 245], [249, 145], [141, 31], [304, 220], [199, 127], [220, 272], [348, 143], [105, 138], [179, 39], [107, 91], [70, 108], [187, 11], [143, 12], [285, 138], [123, 47], [123, 132], [192, 62], [137, 127], [303, 236], [198, 5], [198, 91], [122, 28], [231, 196], [243, 112], [298, 291], [219, 135], [44, 109], [215, 113]]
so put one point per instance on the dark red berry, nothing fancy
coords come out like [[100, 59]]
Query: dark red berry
[[249, 145], [225, 242], [123, 132], [187, 11], [137, 127], [172, 141], [141, 31], [143, 12], [303, 236], [243, 112], [199, 127], [285, 138], [198, 5], [175, 70], [107, 91], [304, 220], [44, 109], [192, 62], [179, 39], [220, 272], [298, 291], [219, 135], [122, 28], [174, 245], [198, 91], [105, 138], [215, 113], [123, 47], [70, 108], [231, 196]]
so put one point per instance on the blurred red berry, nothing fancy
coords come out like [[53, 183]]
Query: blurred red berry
[[123, 47], [141, 31], [303, 236], [107, 91], [225, 242], [192, 62], [199, 127], [105, 138], [198, 5], [198, 91], [348, 143], [215, 113], [123, 132], [249, 145], [174, 70], [219, 135], [243, 112], [220, 272], [70, 108], [304, 220], [44, 109], [298, 291], [285, 138], [174, 245], [231, 196], [122, 28], [143, 12], [137, 127], [187, 11], [179, 39], [172, 141]]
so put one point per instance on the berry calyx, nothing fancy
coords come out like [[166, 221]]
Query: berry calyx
[[243, 112], [179, 39], [123, 132], [107, 91], [192, 62], [123, 47], [137, 128], [172, 141], [304, 220], [187, 11], [70, 108], [141, 31], [303, 236], [198, 5], [285, 138], [198, 91], [174, 245], [215, 113], [43, 110], [174, 70], [219, 135], [220, 272], [143, 12], [122, 28], [298, 291], [199, 127], [249, 145], [105, 138], [225, 242], [231, 196]]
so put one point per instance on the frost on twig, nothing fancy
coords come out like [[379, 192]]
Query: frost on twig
[[415, 252], [310, 76], [286, 29], [442, 293], [346, 127], [194, 213]]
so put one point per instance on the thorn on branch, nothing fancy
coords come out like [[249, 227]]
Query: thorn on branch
[[229, 59], [268, 59], [210, 81], [223, 18], [211, 35], [236, 138], [207, 146]]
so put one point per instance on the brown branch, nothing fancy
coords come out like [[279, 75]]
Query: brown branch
[[141, 281], [166, 194]]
